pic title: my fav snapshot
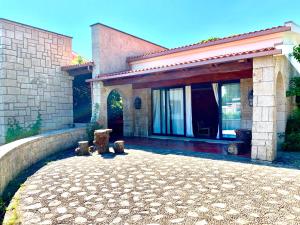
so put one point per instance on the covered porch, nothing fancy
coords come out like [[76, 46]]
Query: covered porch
[[208, 98]]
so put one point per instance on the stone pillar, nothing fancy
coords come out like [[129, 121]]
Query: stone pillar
[[99, 97], [264, 109]]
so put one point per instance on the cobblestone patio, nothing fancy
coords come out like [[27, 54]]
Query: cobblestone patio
[[159, 187]]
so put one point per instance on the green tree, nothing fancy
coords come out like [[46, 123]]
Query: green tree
[[296, 53]]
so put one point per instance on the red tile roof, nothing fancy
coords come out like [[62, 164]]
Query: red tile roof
[[190, 64], [211, 42], [76, 66]]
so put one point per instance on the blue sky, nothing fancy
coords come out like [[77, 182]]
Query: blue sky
[[170, 23]]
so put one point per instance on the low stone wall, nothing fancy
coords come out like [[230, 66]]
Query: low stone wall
[[21, 154]]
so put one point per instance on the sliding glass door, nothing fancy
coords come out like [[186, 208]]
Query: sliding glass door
[[230, 109], [168, 111]]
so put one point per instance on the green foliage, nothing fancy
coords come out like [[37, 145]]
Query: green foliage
[[15, 131], [2, 208], [296, 53], [292, 132], [209, 39], [78, 60], [114, 106], [93, 125], [292, 142], [294, 87]]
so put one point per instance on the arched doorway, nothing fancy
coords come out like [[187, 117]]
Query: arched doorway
[[280, 110], [115, 113]]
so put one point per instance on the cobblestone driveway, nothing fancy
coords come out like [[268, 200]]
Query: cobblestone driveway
[[149, 188]]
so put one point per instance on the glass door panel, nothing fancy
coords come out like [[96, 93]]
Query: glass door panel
[[156, 112], [168, 111], [231, 109], [176, 102]]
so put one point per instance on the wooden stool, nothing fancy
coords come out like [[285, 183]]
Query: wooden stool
[[101, 140], [119, 147], [83, 148]]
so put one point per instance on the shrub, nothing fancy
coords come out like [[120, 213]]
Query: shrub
[[292, 132], [15, 131], [93, 125], [296, 53]]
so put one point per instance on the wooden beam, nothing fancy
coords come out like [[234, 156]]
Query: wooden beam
[[186, 73], [196, 80]]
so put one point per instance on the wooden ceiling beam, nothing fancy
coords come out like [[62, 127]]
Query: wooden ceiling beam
[[196, 80], [183, 74]]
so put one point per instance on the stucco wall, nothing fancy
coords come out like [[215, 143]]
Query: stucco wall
[[21, 154], [111, 47], [31, 79]]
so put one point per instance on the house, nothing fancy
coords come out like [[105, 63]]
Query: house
[[208, 89]]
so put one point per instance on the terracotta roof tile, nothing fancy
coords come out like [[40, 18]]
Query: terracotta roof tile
[[188, 64], [210, 43], [76, 66]]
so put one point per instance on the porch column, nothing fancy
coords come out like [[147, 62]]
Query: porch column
[[264, 109], [98, 97]]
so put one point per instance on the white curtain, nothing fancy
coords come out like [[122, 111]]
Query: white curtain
[[188, 111], [176, 110], [156, 111], [216, 93]]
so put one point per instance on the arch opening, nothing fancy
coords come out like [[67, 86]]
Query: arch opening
[[115, 114]]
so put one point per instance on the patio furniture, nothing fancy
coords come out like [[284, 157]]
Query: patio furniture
[[118, 147], [244, 135], [101, 140], [233, 147], [83, 148]]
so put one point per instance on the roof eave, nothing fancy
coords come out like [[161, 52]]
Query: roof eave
[[197, 64], [210, 43]]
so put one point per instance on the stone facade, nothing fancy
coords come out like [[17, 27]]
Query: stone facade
[[31, 79], [142, 117], [246, 110], [128, 110], [271, 107]]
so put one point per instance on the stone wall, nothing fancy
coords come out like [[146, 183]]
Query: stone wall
[[128, 109], [246, 110], [21, 154], [31, 79], [271, 107], [142, 117]]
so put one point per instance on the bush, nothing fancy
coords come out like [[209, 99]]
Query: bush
[[296, 53], [15, 131], [93, 125], [292, 141]]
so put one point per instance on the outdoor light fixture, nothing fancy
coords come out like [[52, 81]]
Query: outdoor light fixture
[[250, 98], [137, 103]]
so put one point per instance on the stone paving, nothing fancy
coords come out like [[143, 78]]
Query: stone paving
[[144, 187]]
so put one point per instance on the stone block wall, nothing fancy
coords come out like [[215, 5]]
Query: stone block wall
[[101, 94], [271, 107], [31, 79], [142, 117], [246, 110]]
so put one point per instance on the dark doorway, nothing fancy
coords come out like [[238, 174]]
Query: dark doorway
[[205, 111], [115, 114], [82, 101]]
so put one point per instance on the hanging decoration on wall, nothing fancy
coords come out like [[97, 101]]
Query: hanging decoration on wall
[[137, 103], [250, 98]]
